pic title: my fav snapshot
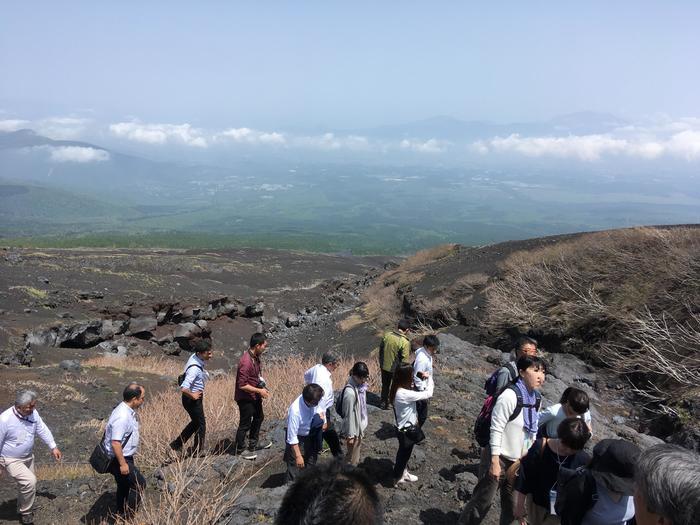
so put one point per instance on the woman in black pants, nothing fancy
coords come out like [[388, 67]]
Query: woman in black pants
[[404, 400]]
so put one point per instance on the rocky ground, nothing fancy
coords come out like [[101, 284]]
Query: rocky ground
[[61, 307]]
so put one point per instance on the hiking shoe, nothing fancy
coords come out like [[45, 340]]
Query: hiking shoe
[[409, 477], [27, 519], [262, 447], [384, 405], [249, 455]]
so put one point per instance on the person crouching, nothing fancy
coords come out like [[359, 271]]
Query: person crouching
[[300, 449]]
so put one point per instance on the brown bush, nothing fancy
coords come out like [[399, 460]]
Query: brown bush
[[628, 298]]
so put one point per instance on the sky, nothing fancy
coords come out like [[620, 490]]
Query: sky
[[313, 75], [347, 65]]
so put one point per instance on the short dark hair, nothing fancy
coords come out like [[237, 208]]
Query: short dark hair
[[524, 340], [576, 398], [404, 324], [574, 433], [328, 358], [360, 369], [526, 361], [312, 393], [331, 493], [257, 338], [132, 391], [431, 340], [202, 345]]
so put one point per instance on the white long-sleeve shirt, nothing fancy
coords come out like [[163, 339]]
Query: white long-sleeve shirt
[[553, 415], [508, 438], [17, 433], [422, 363], [320, 375], [405, 404]]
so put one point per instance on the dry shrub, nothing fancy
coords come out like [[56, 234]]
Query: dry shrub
[[630, 297], [427, 256], [350, 322], [162, 416]]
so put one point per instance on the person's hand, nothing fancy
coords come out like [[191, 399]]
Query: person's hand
[[325, 427], [124, 469], [196, 395], [495, 469], [56, 454], [300, 461], [264, 393]]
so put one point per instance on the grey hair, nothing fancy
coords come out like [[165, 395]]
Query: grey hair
[[24, 397], [668, 478], [329, 357]]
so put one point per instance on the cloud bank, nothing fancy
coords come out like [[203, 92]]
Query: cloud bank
[[160, 133], [79, 154]]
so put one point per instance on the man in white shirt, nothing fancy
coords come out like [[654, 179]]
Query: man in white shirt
[[422, 371], [19, 425], [299, 451], [321, 375], [192, 388], [121, 442]]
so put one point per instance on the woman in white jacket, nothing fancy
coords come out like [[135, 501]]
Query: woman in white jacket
[[404, 401], [513, 430]]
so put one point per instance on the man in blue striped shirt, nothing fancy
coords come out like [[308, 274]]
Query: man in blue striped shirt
[[192, 388]]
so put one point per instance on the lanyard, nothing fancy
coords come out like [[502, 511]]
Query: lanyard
[[21, 417]]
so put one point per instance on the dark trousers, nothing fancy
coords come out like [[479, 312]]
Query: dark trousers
[[485, 491], [386, 385], [129, 487], [422, 409], [307, 453], [402, 457], [251, 417], [330, 436], [197, 425]]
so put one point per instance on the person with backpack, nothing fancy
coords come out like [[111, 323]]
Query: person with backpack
[[422, 371], [393, 352], [194, 379], [573, 403], [352, 407], [404, 398], [321, 375], [512, 423], [539, 471], [602, 493], [508, 373]]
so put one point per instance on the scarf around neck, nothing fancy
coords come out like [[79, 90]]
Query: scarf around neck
[[361, 397], [530, 415]]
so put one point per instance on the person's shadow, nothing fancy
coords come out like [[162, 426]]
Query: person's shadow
[[380, 471], [102, 511]]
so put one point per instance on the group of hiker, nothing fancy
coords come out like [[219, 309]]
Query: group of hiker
[[533, 457]]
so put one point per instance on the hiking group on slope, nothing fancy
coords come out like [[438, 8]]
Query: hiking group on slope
[[533, 457]]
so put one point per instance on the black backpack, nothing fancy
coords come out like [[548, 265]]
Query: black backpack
[[482, 425], [339, 402], [576, 494], [181, 377]]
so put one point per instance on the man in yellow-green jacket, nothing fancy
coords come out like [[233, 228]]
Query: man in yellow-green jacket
[[393, 350]]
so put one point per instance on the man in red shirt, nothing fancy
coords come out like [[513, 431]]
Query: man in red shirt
[[250, 392]]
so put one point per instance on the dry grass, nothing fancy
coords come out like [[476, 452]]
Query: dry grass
[[35, 293], [628, 298], [63, 470], [162, 416], [152, 365], [350, 322], [53, 392]]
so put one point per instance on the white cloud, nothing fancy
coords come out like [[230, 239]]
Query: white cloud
[[636, 142], [428, 146], [62, 128], [251, 136], [159, 133], [333, 142], [76, 154], [13, 124]]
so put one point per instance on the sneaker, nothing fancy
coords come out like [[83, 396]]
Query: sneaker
[[263, 447], [408, 476], [397, 482], [249, 455], [27, 519]]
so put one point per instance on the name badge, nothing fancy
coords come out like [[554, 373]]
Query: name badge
[[552, 501]]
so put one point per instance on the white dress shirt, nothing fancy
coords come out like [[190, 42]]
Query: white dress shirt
[[122, 422], [299, 418], [17, 433], [320, 375], [422, 363]]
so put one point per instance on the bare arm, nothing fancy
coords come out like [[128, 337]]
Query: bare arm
[[297, 455]]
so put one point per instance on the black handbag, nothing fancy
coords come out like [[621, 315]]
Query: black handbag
[[410, 434], [99, 459]]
